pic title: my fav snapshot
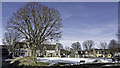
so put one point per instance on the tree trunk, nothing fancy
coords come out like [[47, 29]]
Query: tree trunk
[[34, 54], [88, 54], [104, 56]]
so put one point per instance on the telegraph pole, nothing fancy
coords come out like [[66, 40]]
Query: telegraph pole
[[118, 22]]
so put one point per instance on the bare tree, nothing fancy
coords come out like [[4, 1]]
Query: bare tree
[[103, 45], [76, 46], [10, 37], [114, 47], [87, 45], [67, 48], [60, 45], [37, 23]]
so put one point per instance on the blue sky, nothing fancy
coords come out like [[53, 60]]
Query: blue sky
[[82, 21]]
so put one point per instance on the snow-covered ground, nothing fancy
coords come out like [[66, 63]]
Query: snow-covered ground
[[53, 60]]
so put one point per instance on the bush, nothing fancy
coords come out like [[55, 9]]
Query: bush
[[97, 61]]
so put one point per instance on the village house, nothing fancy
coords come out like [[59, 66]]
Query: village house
[[53, 50], [48, 50], [45, 50], [96, 53], [84, 53], [104, 53]]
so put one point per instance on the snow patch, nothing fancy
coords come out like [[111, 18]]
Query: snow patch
[[54, 60]]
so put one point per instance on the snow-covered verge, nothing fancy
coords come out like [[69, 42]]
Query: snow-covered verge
[[54, 60]]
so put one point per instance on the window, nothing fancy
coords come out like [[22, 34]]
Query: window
[[86, 52], [81, 52], [22, 54], [98, 52], [56, 53], [21, 46], [45, 53]]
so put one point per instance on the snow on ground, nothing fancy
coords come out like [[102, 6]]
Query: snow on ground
[[53, 60]]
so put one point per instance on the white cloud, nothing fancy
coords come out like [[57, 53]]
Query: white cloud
[[67, 13]]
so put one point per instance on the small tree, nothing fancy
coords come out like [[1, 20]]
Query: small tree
[[103, 46], [10, 37], [67, 48], [60, 45], [76, 46], [113, 47], [87, 45]]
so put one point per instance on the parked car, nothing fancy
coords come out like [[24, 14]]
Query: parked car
[[63, 56]]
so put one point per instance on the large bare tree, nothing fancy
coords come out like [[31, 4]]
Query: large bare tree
[[37, 23], [87, 45]]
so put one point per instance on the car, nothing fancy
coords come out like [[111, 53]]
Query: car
[[63, 56]]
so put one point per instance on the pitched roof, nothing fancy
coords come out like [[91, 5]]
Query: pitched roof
[[63, 51], [21, 44], [47, 46], [39, 47]]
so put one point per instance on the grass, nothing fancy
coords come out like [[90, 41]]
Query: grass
[[59, 64], [28, 61], [40, 64]]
